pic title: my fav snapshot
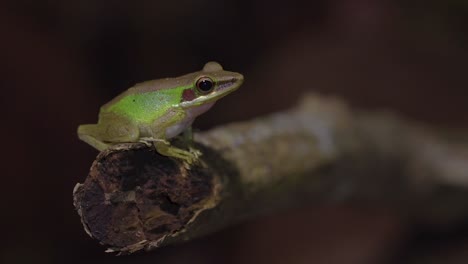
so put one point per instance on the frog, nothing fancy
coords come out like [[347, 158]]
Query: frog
[[154, 112]]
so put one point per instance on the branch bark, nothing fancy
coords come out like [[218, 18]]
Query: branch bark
[[320, 151]]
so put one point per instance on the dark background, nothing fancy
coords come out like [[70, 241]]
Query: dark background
[[61, 60]]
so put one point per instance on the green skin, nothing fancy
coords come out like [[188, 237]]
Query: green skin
[[155, 111]]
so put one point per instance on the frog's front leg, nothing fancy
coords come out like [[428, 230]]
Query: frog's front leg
[[187, 139], [163, 146]]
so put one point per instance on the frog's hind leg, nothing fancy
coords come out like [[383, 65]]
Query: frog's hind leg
[[109, 131], [87, 134]]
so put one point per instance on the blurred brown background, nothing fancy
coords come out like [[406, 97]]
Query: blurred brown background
[[61, 60]]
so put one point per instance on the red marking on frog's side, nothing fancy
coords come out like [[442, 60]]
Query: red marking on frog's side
[[188, 95]]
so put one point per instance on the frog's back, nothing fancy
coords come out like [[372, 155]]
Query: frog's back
[[144, 102]]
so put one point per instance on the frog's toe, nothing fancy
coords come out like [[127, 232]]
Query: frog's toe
[[187, 165], [192, 159], [197, 153], [188, 162]]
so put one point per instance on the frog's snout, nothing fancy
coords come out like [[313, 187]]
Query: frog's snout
[[239, 78]]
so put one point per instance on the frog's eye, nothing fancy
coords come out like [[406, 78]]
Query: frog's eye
[[205, 85]]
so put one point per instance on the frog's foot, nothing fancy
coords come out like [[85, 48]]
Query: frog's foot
[[165, 148], [197, 153], [188, 157]]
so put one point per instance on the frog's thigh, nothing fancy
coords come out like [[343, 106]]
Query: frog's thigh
[[87, 133], [119, 130]]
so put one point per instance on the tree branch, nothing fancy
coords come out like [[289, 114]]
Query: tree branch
[[320, 151]]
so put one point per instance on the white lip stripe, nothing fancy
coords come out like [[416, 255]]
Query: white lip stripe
[[225, 85]]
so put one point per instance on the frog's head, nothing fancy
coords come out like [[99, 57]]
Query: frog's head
[[208, 85]]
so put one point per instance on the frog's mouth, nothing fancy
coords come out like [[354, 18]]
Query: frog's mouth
[[226, 85], [223, 88]]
